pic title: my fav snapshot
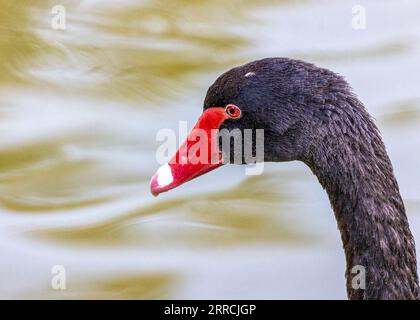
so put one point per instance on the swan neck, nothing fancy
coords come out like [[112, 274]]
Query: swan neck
[[357, 174]]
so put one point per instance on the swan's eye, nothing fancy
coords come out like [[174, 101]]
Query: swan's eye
[[233, 111]]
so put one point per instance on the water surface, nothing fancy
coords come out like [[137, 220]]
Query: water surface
[[79, 112]]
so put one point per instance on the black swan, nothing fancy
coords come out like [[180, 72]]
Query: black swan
[[311, 114]]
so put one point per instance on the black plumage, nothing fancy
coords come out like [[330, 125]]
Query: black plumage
[[310, 114]]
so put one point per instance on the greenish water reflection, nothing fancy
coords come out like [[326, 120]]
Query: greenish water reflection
[[79, 111]]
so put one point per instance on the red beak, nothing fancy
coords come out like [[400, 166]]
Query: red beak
[[198, 155]]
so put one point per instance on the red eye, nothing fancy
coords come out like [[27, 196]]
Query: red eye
[[233, 111]]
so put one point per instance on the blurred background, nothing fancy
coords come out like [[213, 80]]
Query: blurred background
[[79, 113]]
